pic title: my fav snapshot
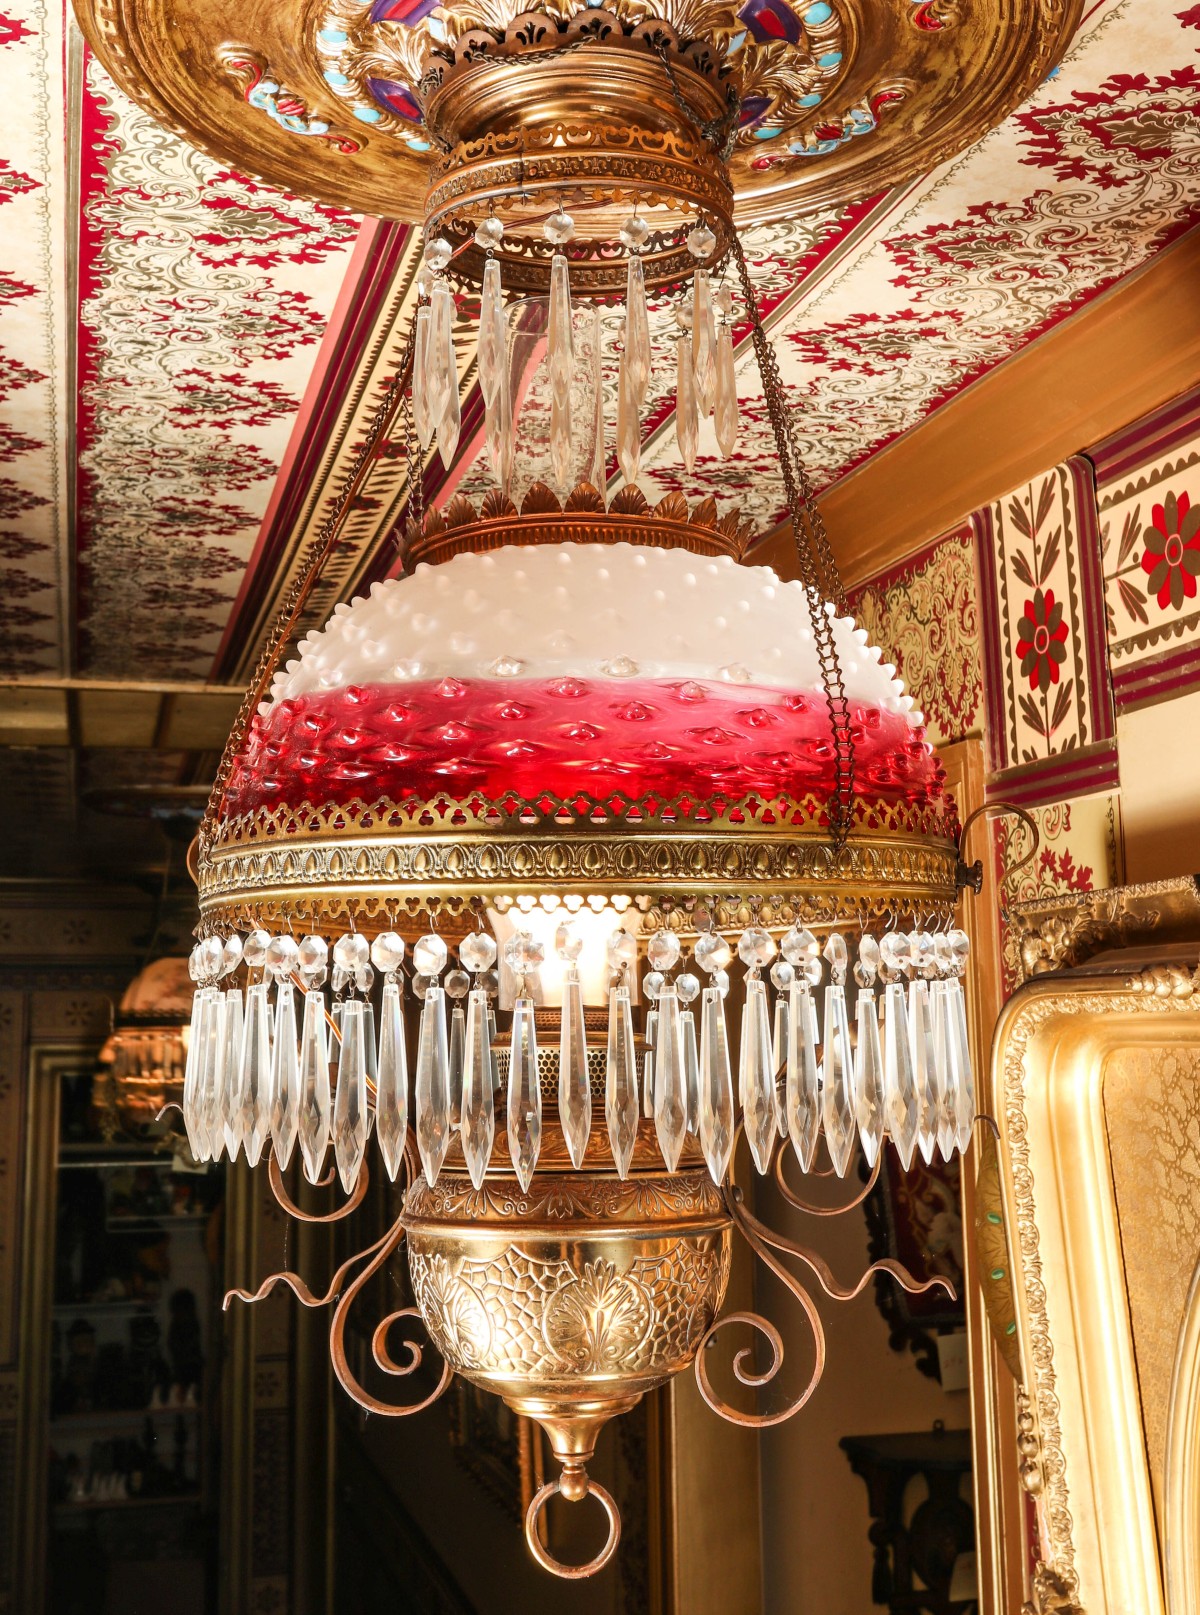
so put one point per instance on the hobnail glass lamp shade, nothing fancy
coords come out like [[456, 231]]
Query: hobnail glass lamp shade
[[562, 668]]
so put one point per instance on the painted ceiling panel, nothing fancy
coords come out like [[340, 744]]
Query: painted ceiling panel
[[172, 335]]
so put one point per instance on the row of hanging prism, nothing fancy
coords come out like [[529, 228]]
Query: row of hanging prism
[[706, 384], [254, 1075]]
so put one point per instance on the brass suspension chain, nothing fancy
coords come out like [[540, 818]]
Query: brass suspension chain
[[325, 542], [818, 570]]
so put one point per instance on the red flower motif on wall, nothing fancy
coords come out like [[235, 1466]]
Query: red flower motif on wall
[[1171, 558], [1041, 637]]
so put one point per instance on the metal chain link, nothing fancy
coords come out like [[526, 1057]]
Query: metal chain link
[[818, 570], [325, 542]]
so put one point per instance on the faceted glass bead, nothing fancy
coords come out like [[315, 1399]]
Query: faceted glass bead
[[635, 232], [701, 241], [723, 299], [568, 944], [620, 1081], [868, 957], [477, 951], [210, 958], [756, 947], [315, 1118], [893, 950], [391, 1082], [194, 963], [438, 253], [801, 1093], [837, 955], [688, 987], [285, 1077], [899, 1089], [283, 955], [687, 410], [314, 953], [868, 1078], [653, 984], [421, 985], [429, 955], [524, 1094], [457, 984], [350, 1100], [254, 949], [559, 228], [231, 954], [489, 980], [622, 949], [720, 980], [364, 978], [663, 949], [921, 952], [799, 945], [352, 951], [478, 1124], [681, 313], [574, 1086], [523, 953], [431, 1095], [712, 951], [782, 975], [489, 234], [756, 1075], [670, 1081], [960, 947], [837, 1081], [716, 1087], [387, 952]]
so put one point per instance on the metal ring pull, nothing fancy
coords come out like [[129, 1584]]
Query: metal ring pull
[[551, 1489]]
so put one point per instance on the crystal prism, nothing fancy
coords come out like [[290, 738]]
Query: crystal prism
[[391, 1083], [801, 1095], [285, 1076], [691, 1067], [944, 1049], [779, 1050], [443, 373], [837, 1081], [478, 1123], [964, 1075], [670, 1081], [226, 1112], [629, 426], [868, 1078], [254, 1083], [560, 362], [422, 409], [350, 1100], [687, 421], [598, 475], [620, 1081], [637, 333], [524, 1093], [431, 1096], [899, 1089], [210, 1126], [196, 1033], [314, 1087], [458, 1043], [756, 1075], [920, 1040], [493, 337], [574, 1087], [725, 407], [716, 1086], [704, 344]]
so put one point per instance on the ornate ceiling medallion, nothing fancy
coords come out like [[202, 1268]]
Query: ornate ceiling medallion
[[704, 108]]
